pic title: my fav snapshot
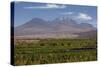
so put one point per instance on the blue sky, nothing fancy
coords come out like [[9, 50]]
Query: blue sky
[[25, 11]]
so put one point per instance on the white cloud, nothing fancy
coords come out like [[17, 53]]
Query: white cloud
[[55, 6], [83, 16], [67, 13], [47, 6]]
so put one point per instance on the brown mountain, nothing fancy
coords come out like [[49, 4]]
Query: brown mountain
[[57, 28]]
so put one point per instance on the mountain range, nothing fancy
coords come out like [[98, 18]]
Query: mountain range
[[56, 28]]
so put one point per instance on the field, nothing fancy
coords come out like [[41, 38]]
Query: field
[[46, 51]]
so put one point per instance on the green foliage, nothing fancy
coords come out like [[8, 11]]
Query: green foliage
[[45, 51]]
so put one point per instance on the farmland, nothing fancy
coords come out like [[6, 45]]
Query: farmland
[[46, 51]]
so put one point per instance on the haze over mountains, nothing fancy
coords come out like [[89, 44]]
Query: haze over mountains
[[58, 28]]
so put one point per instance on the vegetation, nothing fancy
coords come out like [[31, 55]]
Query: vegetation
[[44, 51]]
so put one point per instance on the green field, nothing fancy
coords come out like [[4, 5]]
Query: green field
[[46, 51]]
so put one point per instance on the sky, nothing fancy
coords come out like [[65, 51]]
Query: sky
[[25, 11]]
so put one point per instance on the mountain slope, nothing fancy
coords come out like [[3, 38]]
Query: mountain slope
[[61, 28], [89, 34]]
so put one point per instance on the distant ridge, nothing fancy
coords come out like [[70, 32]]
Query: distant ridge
[[57, 28]]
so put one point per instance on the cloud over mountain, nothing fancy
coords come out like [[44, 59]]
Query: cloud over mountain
[[83, 16]]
